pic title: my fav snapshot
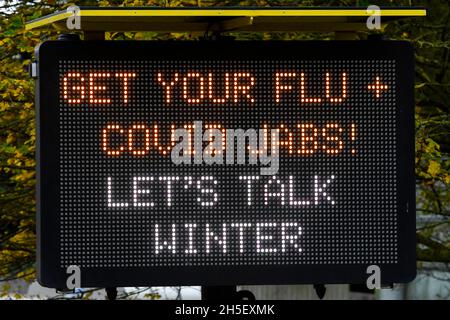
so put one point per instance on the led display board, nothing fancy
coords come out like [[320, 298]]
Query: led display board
[[219, 163]]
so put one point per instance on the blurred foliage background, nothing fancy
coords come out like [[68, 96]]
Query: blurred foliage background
[[429, 35]]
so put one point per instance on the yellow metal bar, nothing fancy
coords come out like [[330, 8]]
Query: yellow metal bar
[[124, 12], [251, 13], [47, 20]]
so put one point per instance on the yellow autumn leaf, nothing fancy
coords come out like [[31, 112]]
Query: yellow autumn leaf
[[420, 85], [434, 168], [10, 139], [447, 179]]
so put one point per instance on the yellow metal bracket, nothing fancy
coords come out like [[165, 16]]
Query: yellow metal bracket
[[197, 19]]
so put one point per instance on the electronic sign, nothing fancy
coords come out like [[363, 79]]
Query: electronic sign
[[219, 163]]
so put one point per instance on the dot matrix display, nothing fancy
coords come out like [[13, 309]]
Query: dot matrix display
[[124, 203], [253, 223]]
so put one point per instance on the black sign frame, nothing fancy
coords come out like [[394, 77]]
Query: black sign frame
[[50, 274]]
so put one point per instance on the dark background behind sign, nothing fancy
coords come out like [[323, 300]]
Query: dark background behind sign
[[370, 222]]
